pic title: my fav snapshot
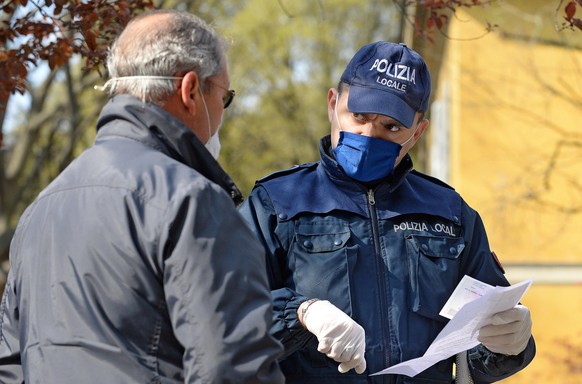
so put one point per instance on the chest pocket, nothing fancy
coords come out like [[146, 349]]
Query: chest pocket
[[434, 265], [321, 264]]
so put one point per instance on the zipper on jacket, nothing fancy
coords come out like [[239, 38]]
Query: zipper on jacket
[[374, 219], [380, 273]]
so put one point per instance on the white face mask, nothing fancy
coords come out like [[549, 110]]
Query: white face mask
[[213, 143]]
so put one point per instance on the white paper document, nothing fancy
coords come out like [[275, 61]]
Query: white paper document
[[460, 334], [467, 290]]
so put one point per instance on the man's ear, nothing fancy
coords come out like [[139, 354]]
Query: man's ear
[[189, 91], [331, 103], [422, 126]]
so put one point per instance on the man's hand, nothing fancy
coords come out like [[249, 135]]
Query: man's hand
[[340, 337], [508, 332]]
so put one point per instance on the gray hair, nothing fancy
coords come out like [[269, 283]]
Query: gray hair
[[181, 43]]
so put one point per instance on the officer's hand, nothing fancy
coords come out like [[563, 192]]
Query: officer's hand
[[508, 332], [340, 337]]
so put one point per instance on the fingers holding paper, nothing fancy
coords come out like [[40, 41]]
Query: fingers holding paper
[[507, 332]]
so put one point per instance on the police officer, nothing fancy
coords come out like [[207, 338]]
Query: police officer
[[363, 251]]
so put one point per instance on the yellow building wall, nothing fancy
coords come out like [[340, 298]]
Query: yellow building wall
[[515, 118]]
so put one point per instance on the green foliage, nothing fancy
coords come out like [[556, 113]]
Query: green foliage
[[284, 57], [52, 135]]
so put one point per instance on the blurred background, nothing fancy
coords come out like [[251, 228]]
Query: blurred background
[[506, 116]]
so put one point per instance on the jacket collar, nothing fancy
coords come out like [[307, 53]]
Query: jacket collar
[[322, 188], [157, 128]]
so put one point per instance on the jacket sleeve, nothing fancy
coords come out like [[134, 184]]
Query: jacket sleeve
[[10, 367], [216, 291], [487, 366], [259, 213]]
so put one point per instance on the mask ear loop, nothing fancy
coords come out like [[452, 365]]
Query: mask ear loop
[[112, 83], [411, 136], [207, 115]]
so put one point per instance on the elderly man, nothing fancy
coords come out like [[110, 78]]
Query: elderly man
[[133, 265]]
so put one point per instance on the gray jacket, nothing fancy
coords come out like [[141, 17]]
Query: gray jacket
[[133, 266]]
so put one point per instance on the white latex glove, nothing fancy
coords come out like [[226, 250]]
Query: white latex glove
[[508, 332], [340, 337]]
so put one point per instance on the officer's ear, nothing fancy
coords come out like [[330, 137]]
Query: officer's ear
[[332, 99], [421, 127]]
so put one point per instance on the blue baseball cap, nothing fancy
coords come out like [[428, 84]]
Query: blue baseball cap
[[389, 79]]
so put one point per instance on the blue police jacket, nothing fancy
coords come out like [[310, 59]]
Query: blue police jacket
[[388, 255]]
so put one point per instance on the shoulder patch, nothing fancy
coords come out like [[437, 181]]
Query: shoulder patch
[[293, 169], [431, 179], [498, 262]]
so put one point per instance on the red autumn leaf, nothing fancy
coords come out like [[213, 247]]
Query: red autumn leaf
[[51, 62], [22, 71], [570, 10], [90, 40], [429, 23]]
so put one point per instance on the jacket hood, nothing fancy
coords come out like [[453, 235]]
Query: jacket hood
[[157, 128]]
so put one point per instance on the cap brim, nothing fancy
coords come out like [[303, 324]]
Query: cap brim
[[371, 100]]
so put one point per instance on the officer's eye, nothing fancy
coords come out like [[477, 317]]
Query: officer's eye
[[359, 116], [393, 127]]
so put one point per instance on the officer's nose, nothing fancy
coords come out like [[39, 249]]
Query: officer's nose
[[368, 129]]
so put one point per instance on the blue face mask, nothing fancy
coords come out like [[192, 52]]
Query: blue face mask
[[366, 158]]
